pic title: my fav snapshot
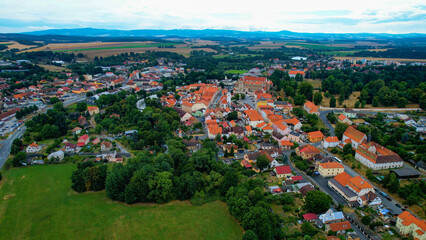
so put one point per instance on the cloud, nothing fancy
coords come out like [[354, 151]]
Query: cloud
[[272, 15]]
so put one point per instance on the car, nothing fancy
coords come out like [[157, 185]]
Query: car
[[399, 206]]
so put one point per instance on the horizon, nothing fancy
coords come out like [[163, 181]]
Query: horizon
[[328, 16]]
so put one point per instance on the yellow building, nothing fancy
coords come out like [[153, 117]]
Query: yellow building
[[408, 224], [330, 169]]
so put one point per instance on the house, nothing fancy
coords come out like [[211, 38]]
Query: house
[[33, 148], [310, 217], [93, 110], [184, 116], [283, 171], [311, 108], [340, 227], [330, 169], [407, 224], [59, 155], [330, 217], [131, 133], [350, 188], [106, 146], [192, 145], [307, 151], [353, 136], [69, 147], [286, 145], [377, 157], [281, 128], [294, 137], [343, 119], [253, 118], [349, 113], [83, 121], [293, 123], [83, 140], [248, 130], [330, 142], [305, 189], [370, 199], [76, 130], [315, 136]]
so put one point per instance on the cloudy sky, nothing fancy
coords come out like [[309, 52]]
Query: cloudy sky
[[384, 16]]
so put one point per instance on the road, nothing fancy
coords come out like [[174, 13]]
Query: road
[[374, 109], [323, 117], [119, 146], [6, 144]]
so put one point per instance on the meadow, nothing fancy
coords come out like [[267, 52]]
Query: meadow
[[38, 203]]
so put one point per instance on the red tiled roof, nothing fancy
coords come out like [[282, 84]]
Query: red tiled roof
[[340, 226], [283, 169], [310, 216]]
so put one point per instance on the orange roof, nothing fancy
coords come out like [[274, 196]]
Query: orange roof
[[342, 178], [261, 125], [309, 149], [316, 134], [34, 144], [331, 139], [311, 106], [293, 121], [92, 108], [342, 117], [340, 226], [354, 134], [286, 143], [253, 115], [267, 128], [248, 128], [331, 165], [280, 125], [297, 72], [407, 219], [357, 184]]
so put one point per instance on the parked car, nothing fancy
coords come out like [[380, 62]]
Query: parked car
[[399, 206]]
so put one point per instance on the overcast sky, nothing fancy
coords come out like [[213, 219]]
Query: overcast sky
[[339, 16]]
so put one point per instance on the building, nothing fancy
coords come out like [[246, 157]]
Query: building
[[407, 224], [253, 84], [293, 123], [33, 148], [315, 136], [252, 117], [350, 188], [283, 171], [69, 147], [330, 169], [59, 155], [106, 146], [330, 217], [340, 227], [286, 145], [310, 108], [330, 142], [83, 140], [93, 110], [349, 113], [377, 157], [353, 136], [307, 151], [77, 130], [370, 198], [343, 119]]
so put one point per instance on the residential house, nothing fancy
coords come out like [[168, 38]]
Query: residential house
[[106, 146], [33, 148], [353, 136], [283, 171], [331, 216], [307, 151], [330, 142], [294, 137], [310, 108], [93, 110], [315, 136], [407, 224], [83, 121], [248, 130], [83, 140], [343, 119], [286, 145], [349, 113], [340, 227], [370, 199], [306, 188], [310, 217], [69, 147], [59, 155], [253, 118], [330, 169], [76, 130], [192, 145], [293, 123]]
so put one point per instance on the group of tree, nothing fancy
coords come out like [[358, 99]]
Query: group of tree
[[25, 111], [89, 177]]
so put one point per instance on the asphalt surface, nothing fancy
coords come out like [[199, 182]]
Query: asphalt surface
[[323, 117]]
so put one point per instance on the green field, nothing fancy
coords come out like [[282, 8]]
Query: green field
[[313, 46], [238, 72], [148, 45], [38, 203], [341, 53]]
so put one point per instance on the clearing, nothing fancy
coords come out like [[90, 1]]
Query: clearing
[[45, 207]]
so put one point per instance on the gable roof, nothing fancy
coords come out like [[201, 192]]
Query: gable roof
[[331, 139], [408, 219], [283, 169], [316, 134], [310, 216], [354, 134], [331, 165], [340, 226]]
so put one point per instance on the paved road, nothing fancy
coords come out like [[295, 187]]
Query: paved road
[[323, 117], [6, 145], [374, 109], [119, 146]]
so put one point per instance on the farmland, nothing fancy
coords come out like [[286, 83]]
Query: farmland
[[13, 44], [40, 199]]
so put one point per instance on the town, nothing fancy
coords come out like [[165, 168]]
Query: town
[[284, 142]]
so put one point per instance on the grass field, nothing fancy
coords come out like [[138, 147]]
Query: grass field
[[312, 46], [38, 203], [238, 72], [53, 68], [122, 46]]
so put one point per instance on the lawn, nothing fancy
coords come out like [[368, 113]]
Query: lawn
[[238, 72], [124, 46], [37, 203]]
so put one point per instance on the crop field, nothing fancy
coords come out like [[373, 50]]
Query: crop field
[[13, 44], [384, 59], [38, 203], [313, 46]]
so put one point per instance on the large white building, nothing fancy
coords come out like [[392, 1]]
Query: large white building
[[377, 157]]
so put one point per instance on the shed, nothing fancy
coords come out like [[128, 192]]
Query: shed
[[405, 173]]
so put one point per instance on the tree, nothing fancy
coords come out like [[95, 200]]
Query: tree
[[53, 100], [116, 182], [376, 101], [317, 202], [422, 102], [229, 180], [309, 229], [81, 107], [18, 159], [340, 129], [299, 100], [347, 149], [306, 89], [250, 235], [262, 162], [77, 181], [232, 116], [333, 101], [317, 98], [402, 102]]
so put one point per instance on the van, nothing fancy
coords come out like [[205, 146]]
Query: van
[[337, 159]]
